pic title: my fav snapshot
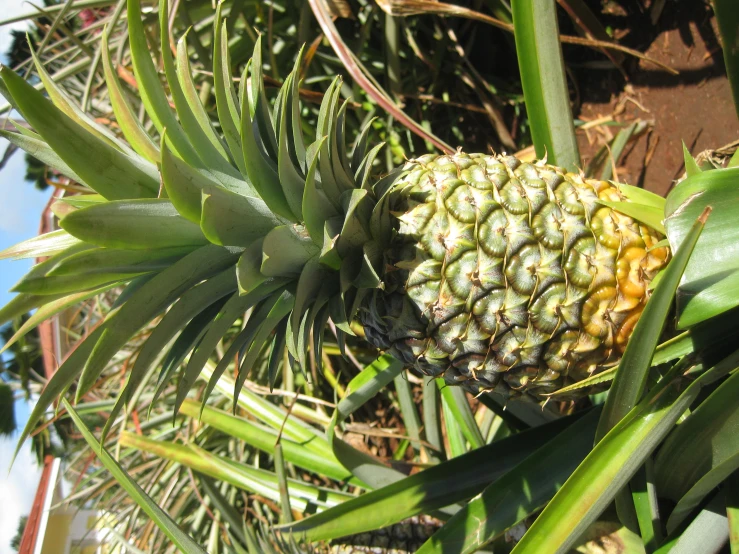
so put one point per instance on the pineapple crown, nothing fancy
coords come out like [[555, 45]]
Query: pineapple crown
[[200, 227]]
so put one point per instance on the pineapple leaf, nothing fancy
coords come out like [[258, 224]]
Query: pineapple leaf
[[50, 309], [279, 311], [310, 281], [517, 493], [261, 168], [183, 345], [612, 463], [459, 408], [711, 280], [230, 312], [644, 213], [264, 440], [152, 93], [248, 269], [23, 303], [183, 183], [291, 179], [111, 260], [228, 113], [190, 304], [444, 484], [129, 123], [286, 250], [630, 379], [277, 353], [179, 538], [360, 146], [39, 149], [702, 451], [60, 381], [641, 196], [691, 168], [40, 246], [243, 340], [98, 165], [190, 93], [257, 481], [62, 101], [230, 219], [544, 82], [152, 298], [198, 130], [132, 225], [316, 207]]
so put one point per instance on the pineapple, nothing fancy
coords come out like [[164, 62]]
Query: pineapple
[[497, 274]]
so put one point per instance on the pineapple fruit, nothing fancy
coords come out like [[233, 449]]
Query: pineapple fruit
[[497, 274]]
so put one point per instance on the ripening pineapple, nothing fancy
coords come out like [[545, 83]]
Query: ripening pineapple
[[495, 273]]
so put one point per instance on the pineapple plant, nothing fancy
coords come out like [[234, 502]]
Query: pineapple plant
[[496, 274], [520, 278]]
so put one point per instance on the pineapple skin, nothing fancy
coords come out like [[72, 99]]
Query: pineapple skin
[[509, 276]]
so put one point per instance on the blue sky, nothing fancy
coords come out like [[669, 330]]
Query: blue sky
[[20, 207]]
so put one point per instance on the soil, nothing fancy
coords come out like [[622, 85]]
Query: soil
[[695, 106]]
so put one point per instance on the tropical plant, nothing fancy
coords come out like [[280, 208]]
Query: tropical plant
[[513, 279]]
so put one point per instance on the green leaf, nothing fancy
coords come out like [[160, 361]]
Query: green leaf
[[728, 26], [732, 511], [702, 451], [133, 224], [611, 464], [516, 494], [150, 88], [149, 300], [270, 414], [711, 279], [129, 123], [191, 94], [40, 246], [230, 219], [265, 440], [188, 107], [459, 408], [616, 150], [261, 169], [707, 532], [304, 497], [60, 381], [49, 309], [431, 489], [62, 101], [545, 82], [39, 149], [100, 166], [228, 111], [691, 168], [190, 304], [631, 376], [286, 250], [641, 196], [648, 215], [23, 303], [179, 538], [184, 184]]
